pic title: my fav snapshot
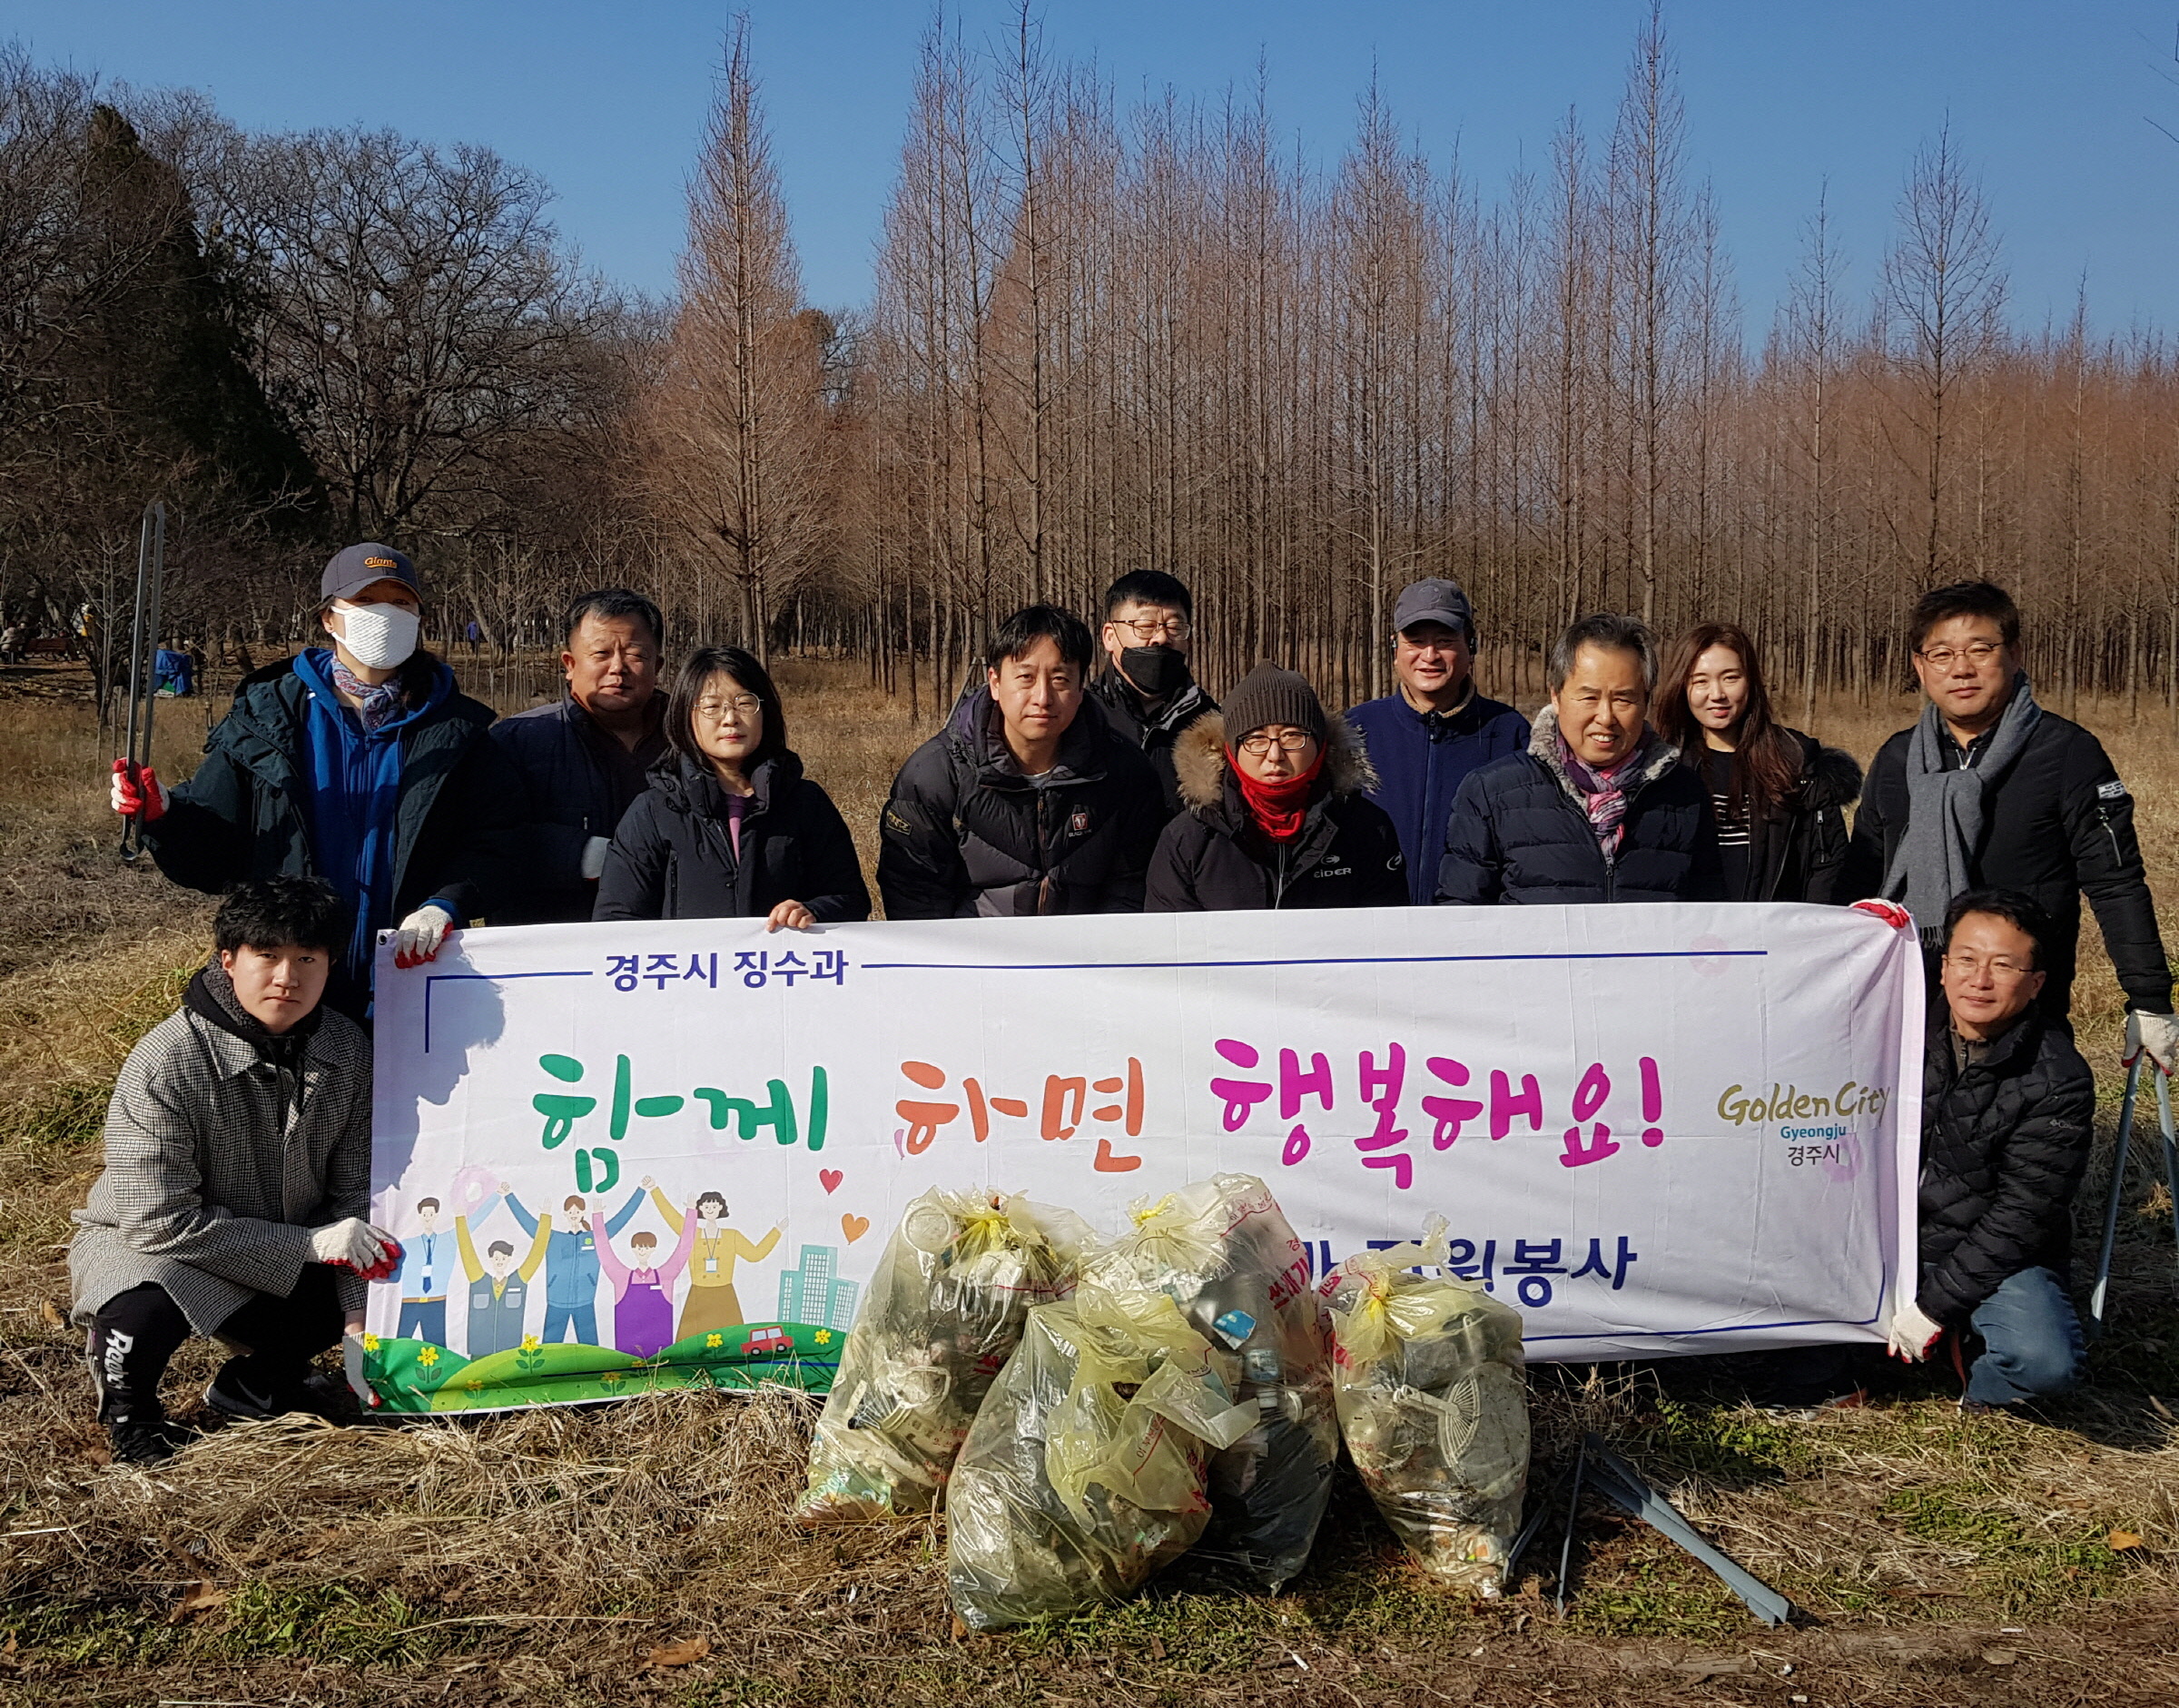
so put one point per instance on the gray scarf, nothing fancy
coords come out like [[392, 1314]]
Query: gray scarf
[[1944, 811]]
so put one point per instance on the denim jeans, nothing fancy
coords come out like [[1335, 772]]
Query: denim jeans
[[2032, 1344]]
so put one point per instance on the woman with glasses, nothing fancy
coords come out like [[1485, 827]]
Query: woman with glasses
[[730, 828], [1275, 809], [1779, 797]]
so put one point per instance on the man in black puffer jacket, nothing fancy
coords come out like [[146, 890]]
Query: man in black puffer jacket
[[2007, 1105], [1023, 803], [2017, 798], [1598, 809]]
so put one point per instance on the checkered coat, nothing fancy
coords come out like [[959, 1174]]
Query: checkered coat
[[216, 1173]]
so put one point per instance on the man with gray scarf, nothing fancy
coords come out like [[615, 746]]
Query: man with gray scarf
[[1990, 790]]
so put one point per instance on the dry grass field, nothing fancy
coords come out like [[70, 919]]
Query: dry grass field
[[641, 1553]]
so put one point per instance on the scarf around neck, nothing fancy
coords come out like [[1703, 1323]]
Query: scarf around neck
[[381, 705], [1281, 808], [1604, 793], [1934, 862]]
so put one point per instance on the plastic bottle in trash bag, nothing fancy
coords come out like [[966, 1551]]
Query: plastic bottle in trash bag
[[1084, 1471], [1223, 1251], [939, 1317], [1433, 1407]]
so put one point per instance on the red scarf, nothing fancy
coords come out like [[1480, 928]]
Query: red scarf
[[1278, 808]]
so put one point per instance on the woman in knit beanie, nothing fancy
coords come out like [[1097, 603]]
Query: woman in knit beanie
[[1275, 809]]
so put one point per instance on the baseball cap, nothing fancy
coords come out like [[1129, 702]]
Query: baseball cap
[[355, 568], [1434, 600]]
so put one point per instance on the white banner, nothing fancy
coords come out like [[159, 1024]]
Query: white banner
[[1652, 1129]]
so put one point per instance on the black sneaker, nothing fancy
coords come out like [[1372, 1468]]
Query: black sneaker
[[147, 1441], [241, 1393]]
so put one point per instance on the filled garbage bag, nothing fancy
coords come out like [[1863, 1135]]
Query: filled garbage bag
[[1084, 1472], [939, 1317], [1433, 1407], [1224, 1252]]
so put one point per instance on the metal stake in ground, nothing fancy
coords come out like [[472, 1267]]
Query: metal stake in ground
[[144, 673]]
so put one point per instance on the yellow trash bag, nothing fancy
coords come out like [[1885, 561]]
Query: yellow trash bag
[[1224, 1252], [1433, 1407], [942, 1315], [1084, 1471]]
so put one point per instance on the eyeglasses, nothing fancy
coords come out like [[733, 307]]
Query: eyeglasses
[[1147, 631], [2005, 972], [741, 706], [1976, 652], [1293, 741]]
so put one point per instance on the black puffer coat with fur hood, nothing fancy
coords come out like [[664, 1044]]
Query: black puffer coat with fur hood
[[1213, 858]]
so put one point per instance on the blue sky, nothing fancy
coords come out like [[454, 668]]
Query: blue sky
[[2051, 100]]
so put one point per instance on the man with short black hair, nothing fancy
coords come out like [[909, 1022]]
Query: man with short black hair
[[1146, 689], [237, 1177], [1021, 805], [1434, 729], [1598, 808], [585, 758], [2007, 1107], [1989, 789]]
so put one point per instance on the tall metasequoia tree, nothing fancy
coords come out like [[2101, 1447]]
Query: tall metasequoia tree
[[740, 454]]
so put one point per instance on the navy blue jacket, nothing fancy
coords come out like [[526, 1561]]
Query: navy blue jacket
[[580, 782], [1421, 760], [1521, 833]]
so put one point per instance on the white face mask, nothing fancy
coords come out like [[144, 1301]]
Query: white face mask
[[380, 637]]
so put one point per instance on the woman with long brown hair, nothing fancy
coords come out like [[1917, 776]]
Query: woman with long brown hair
[[1779, 797]]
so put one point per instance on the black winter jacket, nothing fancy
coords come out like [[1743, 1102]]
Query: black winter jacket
[[1521, 833], [1154, 735], [2005, 1141], [966, 834], [2057, 825], [246, 814], [1213, 857], [580, 781], [1796, 853], [673, 855]]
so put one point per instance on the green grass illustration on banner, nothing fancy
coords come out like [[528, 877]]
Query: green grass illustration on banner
[[414, 1377]]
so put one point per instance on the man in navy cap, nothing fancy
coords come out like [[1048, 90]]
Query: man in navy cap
[[359, 762], [1434, 727]]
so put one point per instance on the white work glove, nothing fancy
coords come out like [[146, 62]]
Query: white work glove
[[418, 937], [594, 856], [354, 1244], [2156, 1033], [1912, 1333]]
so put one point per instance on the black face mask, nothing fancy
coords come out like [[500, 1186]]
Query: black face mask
[[1155, 671]]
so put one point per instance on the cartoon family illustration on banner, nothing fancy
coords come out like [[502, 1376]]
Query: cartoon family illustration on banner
[[639, 1290]]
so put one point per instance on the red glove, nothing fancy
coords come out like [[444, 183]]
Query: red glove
[[138, 793], [1890, 913], [383, 1270]]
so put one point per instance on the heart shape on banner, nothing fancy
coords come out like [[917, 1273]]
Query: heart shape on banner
[[854, 1227], [830, 1179]]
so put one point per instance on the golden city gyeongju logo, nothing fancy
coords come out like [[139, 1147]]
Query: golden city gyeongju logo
[[1790, 1102]]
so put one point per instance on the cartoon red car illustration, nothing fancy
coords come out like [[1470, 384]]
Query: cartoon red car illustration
[[771, 1341]]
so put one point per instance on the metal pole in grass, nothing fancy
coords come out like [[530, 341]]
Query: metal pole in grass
[[144, 674], [2118, 1188], [1573, 1508], [2170, 1146]]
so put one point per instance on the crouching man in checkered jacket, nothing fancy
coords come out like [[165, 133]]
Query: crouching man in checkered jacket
[[238, 1171]]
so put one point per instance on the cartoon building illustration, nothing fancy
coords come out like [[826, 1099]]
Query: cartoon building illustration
[[812, 1294]]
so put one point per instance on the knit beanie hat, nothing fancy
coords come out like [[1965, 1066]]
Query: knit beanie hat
[[1270, 694]]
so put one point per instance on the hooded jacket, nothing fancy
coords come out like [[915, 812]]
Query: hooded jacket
[[966, 834], [1155, 732], [1520, 834], [1421, 760], [2005, 1142], [673, 856], [1213, 857], [251, 809], [2058, 824], [1796, 852], [580, 782]]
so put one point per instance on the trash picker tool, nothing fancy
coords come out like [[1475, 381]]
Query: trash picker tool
[[144, 674]]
